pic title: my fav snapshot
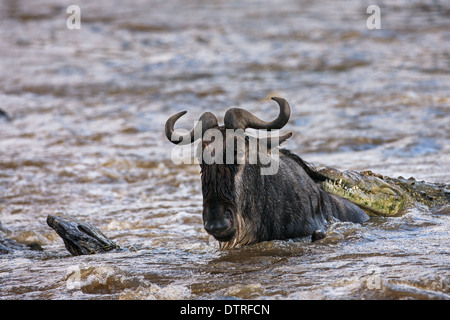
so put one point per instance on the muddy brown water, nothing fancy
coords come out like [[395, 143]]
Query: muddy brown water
[[86, 139]]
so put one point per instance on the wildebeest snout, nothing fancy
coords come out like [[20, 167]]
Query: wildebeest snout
[[217, 226], [218, 221]]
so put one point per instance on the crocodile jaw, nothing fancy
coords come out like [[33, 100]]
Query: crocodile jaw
[[380, 202], [368, 191], [80, 237]]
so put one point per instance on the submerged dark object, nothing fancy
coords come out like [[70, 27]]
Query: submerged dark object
[[80, 237], [3, 114], [9, 246], [318, 235]]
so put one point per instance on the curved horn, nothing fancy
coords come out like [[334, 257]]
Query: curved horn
[[207, 121], [236, 118]]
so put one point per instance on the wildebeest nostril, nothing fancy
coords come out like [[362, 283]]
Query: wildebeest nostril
[[217, 226]]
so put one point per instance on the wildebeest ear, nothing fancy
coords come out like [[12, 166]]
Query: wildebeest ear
[[285, 137], [271, 143]]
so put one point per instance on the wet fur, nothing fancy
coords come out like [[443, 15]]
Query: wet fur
[[286, 205]]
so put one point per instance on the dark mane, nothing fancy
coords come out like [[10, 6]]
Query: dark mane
[[309, 168], [218, 182]]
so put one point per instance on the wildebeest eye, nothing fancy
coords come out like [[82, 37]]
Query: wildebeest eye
[[228, 214]]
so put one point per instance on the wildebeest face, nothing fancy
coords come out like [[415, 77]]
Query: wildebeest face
[[219, 195], [219, 187], [218, 220]]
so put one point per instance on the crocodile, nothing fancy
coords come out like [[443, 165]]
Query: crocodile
[[80, 237], [385, 196]]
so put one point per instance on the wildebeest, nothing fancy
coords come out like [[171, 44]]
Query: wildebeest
[[242, 206]]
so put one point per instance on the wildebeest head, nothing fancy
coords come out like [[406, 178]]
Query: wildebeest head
[[224, 153]]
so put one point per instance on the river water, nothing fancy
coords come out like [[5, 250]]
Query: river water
[[86, 139]]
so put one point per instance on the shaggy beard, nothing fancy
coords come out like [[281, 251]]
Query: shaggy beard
[[244, 235]]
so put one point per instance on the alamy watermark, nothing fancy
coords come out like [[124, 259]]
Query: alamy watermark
[[74, 20], [240, 148], [73, 277], [374, 21], [79, 277], [373, 281], [370, 278], [76, 278], [257, 152]]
